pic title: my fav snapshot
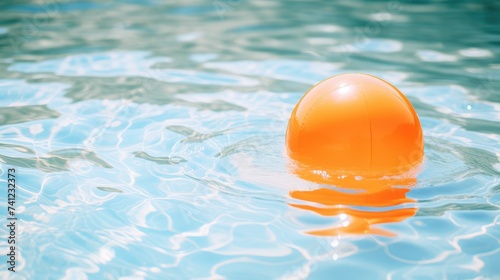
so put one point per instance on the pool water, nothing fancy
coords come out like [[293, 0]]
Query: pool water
[[148, 139]]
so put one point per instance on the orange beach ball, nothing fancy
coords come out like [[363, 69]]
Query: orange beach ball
[[355, 123]]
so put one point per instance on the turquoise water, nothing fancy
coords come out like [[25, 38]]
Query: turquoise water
[[148, 138]]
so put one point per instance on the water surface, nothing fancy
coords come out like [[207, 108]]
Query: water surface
[[148, 138]]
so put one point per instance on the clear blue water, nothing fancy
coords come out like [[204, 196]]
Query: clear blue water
[[148, 137]]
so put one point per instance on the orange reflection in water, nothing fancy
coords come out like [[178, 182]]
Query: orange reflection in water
[[381, 192]]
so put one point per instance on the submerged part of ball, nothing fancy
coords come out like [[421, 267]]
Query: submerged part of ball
[[355, 123]]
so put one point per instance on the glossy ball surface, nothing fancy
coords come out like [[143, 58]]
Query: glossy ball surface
[[355, 123]]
